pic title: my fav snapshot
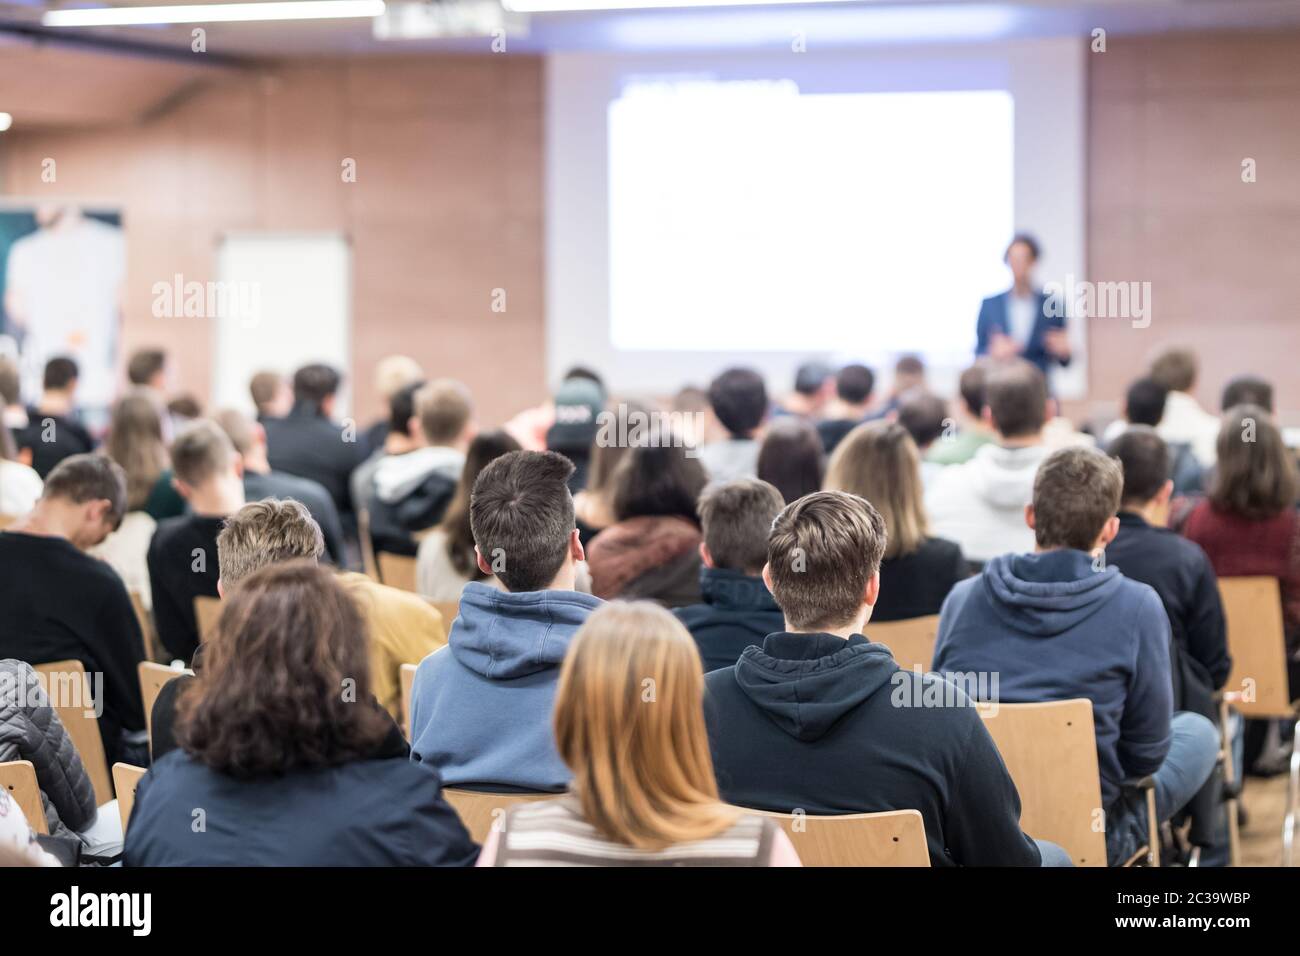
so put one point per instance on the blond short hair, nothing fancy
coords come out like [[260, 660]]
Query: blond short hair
[[823, 550], [443, 407], [266, 532], [395, 372]]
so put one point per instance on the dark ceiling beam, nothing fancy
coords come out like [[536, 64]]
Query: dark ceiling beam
[[66, 38]]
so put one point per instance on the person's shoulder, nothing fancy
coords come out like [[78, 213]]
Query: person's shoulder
[[940, 550]]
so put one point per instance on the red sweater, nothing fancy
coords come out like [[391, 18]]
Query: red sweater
[[1244, 546]]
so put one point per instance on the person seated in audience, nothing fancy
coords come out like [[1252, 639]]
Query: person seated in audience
[[738, 610], [53, 432], [791, 457], [1248, 390], [271, 394], [853, 387], [593, 506], [146, 371], [393, 373], [809, 721], [412, 491], [958, 447], [690, 410], [878, 461], [652, 550], [1144, 405], [307, 443], [1248, 525], [282, 761], [30, 729], [925, 417], [1147, 551], [182, 410], [249, 440], [60, 604], [578, 405], [1058, 624], [481, 707], [738, 399], [446, 561], [20, 486], [401, 628], [980, 504], [1184, 421], [402, 436], [182, 556], [909, 376], [13, 413], [814, 387], [668, 813]]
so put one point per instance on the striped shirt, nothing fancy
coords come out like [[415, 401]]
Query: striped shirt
[[554, 833]]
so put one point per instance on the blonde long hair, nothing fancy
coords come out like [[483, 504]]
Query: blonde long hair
[[135, 441], [879, 461], [629, 722]]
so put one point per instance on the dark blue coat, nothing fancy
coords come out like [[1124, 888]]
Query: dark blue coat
[[994, 318], [738, 611]]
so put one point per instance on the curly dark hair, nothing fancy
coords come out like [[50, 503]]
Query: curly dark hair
[[286, 679]]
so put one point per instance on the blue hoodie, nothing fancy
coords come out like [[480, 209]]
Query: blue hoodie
[[481, 706], [1054, 628]]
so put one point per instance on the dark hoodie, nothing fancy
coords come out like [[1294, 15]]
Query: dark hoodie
[[1053, 627], [738, 611], [832, 726]]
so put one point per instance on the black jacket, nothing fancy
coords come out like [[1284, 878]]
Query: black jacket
[[914, 585], [831, 726], [307, 444], [51, 439], [393, 524], [382, 812], [738, 611], [182, 561]]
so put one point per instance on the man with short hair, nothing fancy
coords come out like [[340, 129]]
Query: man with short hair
[[814, 385], [53, 432], [1144, 405], [147, 368], [1059, 624], [481, 708], [260, 481], [58, 603], [972, 432], [820, 720], [410, 492], [307, 443], [925, 417], [981, 503], [182, 556], [271, 395], [853, 387], [738, 610], [738, 398], [1184, 421], [1248, 390]]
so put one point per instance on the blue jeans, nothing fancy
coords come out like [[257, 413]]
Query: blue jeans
[[1053, 855], [1193, 749]]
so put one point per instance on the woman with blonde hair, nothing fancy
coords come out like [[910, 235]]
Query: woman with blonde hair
[[629, 722], [879, 461]]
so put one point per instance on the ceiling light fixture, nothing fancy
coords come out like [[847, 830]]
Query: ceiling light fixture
[[213, 13]]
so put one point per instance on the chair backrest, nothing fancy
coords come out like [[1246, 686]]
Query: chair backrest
[[152, 678], [910, 641], [1257, 642], [397, 570], [480, 811], [152, 649], [1050, 749], [19, 778], [70, 694], [449, 610], [367, 545], [407, 674], [126, 778], [7, 520], [891, 838], [206, 611]]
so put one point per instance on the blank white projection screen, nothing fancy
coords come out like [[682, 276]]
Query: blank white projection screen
[[745, 215]]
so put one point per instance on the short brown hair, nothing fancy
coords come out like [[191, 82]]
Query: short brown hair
[[263, 387], [1016, 396], [736, 518], [144, 364], [238, 428], [823, 550], [286, 679], [1175, 369], [444, 409], [199, 452], [266, 532], [89, 477], [1256, 475], [11, 390], [521, 511], [1076, 491], [1144, 456]]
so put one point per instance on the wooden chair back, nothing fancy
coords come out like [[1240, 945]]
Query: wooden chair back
[[1050, 750], [152, 649], [152, 678], [368, 563], [70, 695], [126, 778], [407, 675], [206, 611], [1257, 642], [18, 777], [397, 570], [481, 811], [911, 641], [891, 838]]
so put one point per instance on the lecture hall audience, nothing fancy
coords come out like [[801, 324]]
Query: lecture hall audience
[[738, 400], [791, 458], [52, 432]]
